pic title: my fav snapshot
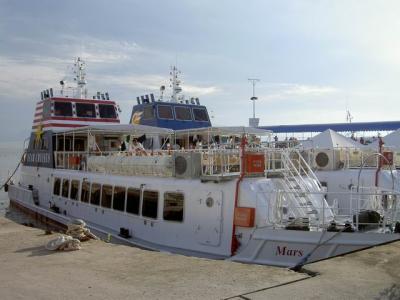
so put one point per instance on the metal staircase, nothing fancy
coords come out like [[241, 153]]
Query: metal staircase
[[300, 184]]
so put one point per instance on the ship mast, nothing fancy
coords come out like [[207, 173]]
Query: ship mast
[[175, 84], [80, 77]]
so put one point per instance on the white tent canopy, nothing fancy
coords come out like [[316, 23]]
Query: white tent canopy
[[392, 140], [330, 139]]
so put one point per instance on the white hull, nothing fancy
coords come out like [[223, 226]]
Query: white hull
[[204, 233]]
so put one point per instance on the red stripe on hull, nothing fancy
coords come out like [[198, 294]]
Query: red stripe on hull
[[81, 119], [60, 125], [83, 100]]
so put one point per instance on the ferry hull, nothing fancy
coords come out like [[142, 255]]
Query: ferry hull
[[284, 248], [289, 248]]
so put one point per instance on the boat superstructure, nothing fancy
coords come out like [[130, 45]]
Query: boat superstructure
[[213, 192], [174, 112]]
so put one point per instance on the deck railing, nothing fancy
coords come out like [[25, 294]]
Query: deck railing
[[213, 162], [367, 209]]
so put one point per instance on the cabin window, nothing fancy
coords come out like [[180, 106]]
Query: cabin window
[[107, 111], [63, 109], [56, 186], [165, 112], [74, 189], [85, 110], [173, 207], [183, 113], [200, 114], [150, 204], [133, 201], [106, 196], [65, 188], [85, 191], [119, 198], [95, 194], [148, 112]]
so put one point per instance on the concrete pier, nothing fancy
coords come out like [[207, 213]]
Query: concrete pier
[[108, 271]]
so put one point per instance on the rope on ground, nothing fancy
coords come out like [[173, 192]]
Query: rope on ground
[[64, 243], [76, 233], [77, 229]]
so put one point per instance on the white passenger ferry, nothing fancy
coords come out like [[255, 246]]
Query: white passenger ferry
[[194, 189]]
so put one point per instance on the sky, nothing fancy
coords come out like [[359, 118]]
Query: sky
[[314, 59]]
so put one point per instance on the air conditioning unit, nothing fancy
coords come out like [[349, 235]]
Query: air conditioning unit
[[328, 160], [187, 164]]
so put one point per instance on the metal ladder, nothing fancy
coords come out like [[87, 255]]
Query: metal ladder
[[300, 182]]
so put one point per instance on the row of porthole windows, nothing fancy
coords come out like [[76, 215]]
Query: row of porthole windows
[[121, 198]]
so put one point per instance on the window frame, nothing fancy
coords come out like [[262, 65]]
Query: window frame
[[183, 206], [200, 109], [148, 107], [113, 107], [89, 117], [84, 182], [59, 186], [62, 187], [63, 103], [113, 198], [143, 200], [78, 192], [139, 204], [185, 120], [91, 192], [172, 112], [112, 195]]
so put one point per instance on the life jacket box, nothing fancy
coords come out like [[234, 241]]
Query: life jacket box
[[388, 161], [255, 163], [74, 160], [244, 216], [389, 158]]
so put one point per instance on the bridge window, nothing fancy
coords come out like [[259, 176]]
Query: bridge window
[[150, 204], [65, 188], [148, 112], [119, 198], [183, 113], [63, 109], [173, 207], [85, 191], [85, 110], [200, 114], [106, 196], [74, 189], [56, 186], [165, 112], [133, 201], [107, 111]]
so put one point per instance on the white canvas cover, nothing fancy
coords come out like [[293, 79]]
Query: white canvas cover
[[330, 139], [392, 140]]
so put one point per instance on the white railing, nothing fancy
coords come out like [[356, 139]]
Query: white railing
[[213, 162], [383, 205], [350, 157]]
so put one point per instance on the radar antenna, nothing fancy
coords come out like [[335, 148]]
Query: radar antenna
[[79, 78], [175, 84]]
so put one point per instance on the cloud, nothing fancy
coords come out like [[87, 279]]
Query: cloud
[[152, 82], [285, 90]]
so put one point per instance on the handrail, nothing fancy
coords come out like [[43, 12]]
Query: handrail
[[390, 213]]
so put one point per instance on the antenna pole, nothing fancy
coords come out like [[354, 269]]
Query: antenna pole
[[254, 98]]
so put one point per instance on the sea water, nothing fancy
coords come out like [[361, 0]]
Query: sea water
[[10, 155]]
